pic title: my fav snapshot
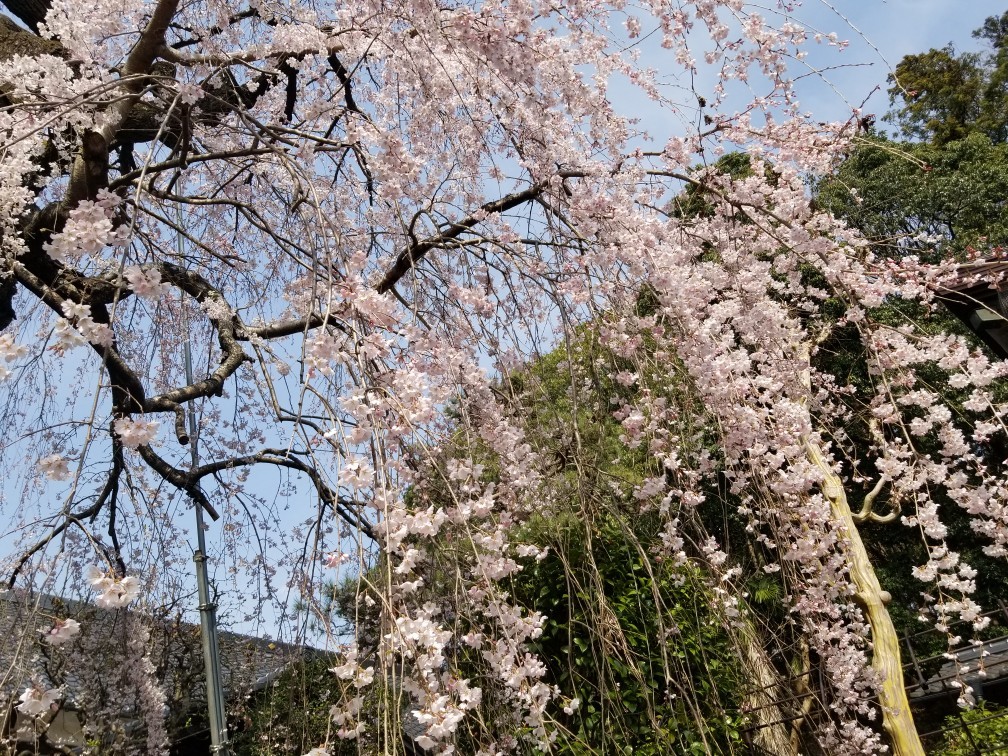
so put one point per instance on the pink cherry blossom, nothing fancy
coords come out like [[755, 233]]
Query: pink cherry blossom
[[36, 701], [144, 283], [9, 352], [62, 632], [114, 592], [135, 433], [55, 467], [335, 559], [372, 228]]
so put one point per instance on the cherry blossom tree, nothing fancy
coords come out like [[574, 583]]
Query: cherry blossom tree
[[362, 219]]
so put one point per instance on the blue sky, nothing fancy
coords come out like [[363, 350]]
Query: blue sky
[[831, 82], [894, 28]]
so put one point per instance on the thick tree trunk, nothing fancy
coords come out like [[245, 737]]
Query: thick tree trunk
[[897, 719], [15, 40]]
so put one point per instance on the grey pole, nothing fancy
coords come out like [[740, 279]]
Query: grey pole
[[207, 608]]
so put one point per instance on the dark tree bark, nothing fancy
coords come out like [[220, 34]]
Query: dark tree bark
[[7, 289], [30, 12], [15, 40]]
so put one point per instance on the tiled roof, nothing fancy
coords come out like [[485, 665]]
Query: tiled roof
[[978, 296], [978, 279], [101, 660]]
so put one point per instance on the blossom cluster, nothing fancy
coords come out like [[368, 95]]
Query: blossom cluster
[[134, 433], [114, 592], [55, 467], [88, 230], [9, 352], [62, 632], [144, 282], [36, 700], [379, 254], [83, 322]]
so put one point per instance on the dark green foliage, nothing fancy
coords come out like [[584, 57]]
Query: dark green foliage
[[938, 199], [633, 640], [905, 196], [895, 550], [695, 199], [941, 93], [637, 640], [980, 730], [291, 715], [902, 196], [942, 96], [942, 194]]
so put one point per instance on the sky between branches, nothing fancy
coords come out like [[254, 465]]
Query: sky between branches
[[896, 28], [878, 32]]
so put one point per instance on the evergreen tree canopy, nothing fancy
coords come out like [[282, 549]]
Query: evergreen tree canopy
[[941, 96], [932, 201]]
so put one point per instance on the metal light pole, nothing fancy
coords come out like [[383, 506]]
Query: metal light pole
[[207, 608]]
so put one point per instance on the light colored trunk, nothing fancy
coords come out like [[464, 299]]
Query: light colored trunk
[[897, 719]]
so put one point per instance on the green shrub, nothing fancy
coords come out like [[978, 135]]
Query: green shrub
[[979, 730]]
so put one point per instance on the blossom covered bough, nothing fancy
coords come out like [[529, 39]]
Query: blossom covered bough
[[385, 210]]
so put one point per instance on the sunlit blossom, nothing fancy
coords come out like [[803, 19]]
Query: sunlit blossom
[[114, 592], [135, 433], [36, 701], [55, 467], [384, 259], [63, 631]]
